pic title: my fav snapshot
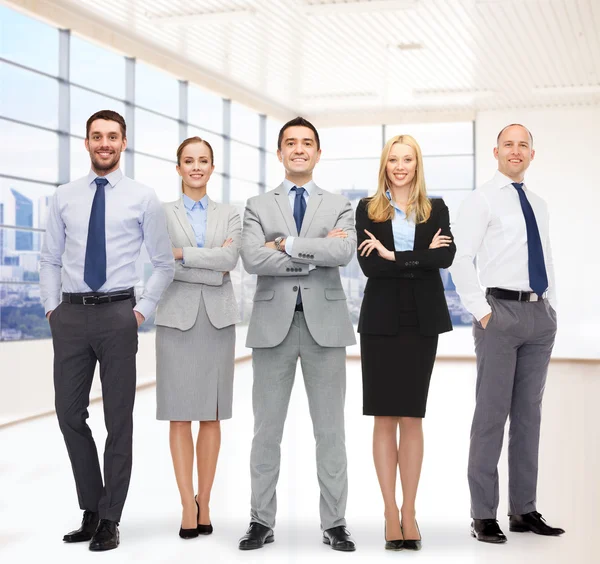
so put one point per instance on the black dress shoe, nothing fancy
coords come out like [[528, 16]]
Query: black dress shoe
[[86, 531], [487, 530], [411, 544], [533, 522], [256, 536], [339, 539], [106, 536], [203, 529]]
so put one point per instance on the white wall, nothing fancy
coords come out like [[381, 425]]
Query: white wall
[[565, 173]]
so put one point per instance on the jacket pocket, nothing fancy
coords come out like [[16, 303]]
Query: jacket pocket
[[264, 295], [334, 294]]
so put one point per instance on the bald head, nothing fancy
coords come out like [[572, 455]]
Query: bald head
[[514, 151], [515, 125]]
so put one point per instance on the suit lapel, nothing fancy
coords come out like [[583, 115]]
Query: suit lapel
[[181, 216], [314, 201], [283, 202], [212, 221]]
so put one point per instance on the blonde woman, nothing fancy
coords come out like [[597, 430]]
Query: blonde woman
[[403, 240], [195, 337]]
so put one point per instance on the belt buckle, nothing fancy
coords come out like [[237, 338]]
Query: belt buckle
[[89, 298]]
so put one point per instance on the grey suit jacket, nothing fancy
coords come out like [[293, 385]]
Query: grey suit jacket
[[280, 275], [204, 272]]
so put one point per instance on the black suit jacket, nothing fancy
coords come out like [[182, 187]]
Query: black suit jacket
[[379, 311]]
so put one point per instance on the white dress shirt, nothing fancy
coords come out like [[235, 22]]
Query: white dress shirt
[[490, 228], [289, 186], [133, 215]]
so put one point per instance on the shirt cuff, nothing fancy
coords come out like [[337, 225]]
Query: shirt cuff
[[145, 308], [51, 304], [481, 310], [289, 244]]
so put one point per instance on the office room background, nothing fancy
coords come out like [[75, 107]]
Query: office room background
[[451, 74]]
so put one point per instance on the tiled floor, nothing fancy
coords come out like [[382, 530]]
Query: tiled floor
[[38, 503]]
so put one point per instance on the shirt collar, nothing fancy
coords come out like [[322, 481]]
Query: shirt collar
[[389, 197], [502, 181], [191, 204], [288, 185], [113, 178]]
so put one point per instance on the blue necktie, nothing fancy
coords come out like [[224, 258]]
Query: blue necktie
[[538, 279], [299, 210], [94, 273], [299, 207]]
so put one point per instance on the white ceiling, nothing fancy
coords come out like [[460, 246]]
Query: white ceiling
[[359, 60]]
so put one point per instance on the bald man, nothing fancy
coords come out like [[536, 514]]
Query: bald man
[[503, 226]]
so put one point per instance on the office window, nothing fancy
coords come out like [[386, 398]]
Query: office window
[[20, 96], [156, 135], [244, 124], [156, 90], [28, 42], [452, 138], [244, 162], [21, 313], [205, 109], [160, 175], [273, 127], [97, 68], [351, 142], [241, 190], [28, 152]]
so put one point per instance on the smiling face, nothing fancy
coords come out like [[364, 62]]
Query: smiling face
[[401, 166], [195, 166], [105, 143], [298, 152], [514, 152]]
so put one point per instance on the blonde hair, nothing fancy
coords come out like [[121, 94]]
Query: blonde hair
[[380, 209]]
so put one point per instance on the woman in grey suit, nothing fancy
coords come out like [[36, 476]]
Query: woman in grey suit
[[195, 337]]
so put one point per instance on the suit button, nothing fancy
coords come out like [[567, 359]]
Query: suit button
[[287, 269], [416, 263], [295, 288]]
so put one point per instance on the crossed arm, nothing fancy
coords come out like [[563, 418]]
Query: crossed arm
[[209, 265], [262, 257], [378, 262]]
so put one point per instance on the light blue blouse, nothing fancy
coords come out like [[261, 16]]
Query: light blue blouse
[[197, 215], [403, 228]]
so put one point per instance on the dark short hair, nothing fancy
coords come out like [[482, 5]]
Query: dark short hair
[[295, 122], [191, 140], [108, 115], [512, 125]]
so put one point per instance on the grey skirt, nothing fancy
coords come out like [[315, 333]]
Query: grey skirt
[[194, 371]]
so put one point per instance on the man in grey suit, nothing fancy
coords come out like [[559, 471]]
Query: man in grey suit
[[295, 238]]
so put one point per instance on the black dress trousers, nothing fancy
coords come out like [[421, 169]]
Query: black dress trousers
[[83, 335]]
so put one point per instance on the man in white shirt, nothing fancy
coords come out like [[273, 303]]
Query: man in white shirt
[[94, 233], [504, 227]]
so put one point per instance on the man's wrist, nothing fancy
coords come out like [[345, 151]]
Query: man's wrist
[[280, 244]]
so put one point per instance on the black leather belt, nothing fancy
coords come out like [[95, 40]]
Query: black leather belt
[[299, 307], [96, 298], [515, 295]]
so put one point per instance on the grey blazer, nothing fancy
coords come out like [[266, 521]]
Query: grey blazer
[[279, 275], [204, 272]]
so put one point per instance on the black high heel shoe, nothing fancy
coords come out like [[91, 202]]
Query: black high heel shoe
[[203, 529], [392, 544], [190, 533], [412, 544]]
